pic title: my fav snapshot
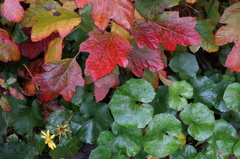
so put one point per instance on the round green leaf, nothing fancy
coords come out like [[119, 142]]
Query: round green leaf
[[66, 147], [160, 139], [101, 152], [236, 149], [37, 141], [184, 63], [93, 119], [187, 151], [179, 91], [200, 120], [121, 140], [129, 104], [231, 96]]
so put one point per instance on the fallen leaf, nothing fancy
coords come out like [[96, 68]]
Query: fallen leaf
[[106, 50], [12, 10], [163, 77], [9, 50], [61, 77], [54, 52], [4, 104], [29, 88], [70, 5], [121, 11], [139, 59], [60, 20]]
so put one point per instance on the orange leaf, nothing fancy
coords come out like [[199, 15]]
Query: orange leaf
[[12, 10], [121, 11]]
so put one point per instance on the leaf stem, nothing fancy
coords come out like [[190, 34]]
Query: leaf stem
[[30, 74], [211, 9]]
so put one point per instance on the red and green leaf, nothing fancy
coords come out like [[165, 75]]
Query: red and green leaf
[[9, 50], [12, 10], [106, 50], [4, 104], [121, 11], [61, 77]]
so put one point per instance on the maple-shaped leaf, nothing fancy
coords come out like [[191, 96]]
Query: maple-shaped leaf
[[61, 77], [106, 50], [33, 49], [173, 30], [12, 10], [121, 11], [145, 35], [54, 52], [60, 20], [139, 59], [9, 50], [103, 85], [230, 33]]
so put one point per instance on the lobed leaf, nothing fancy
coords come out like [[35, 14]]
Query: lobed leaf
[[54, 52], [61, 77], [121, 11], [12, 10]]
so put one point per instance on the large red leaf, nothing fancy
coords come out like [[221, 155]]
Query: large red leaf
[[12, 10], [33, 49], [106, 50], [230, 33], [9, 50], [173, 30], [139, 59], [61, 77], [145, 35], [121, 11], [103, 85]]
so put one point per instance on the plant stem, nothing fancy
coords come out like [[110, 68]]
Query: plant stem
[[211, 9]]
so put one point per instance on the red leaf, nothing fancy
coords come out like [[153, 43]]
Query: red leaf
[[145, 35], [16, 94], [12, 10], [4, 104], [173, 30], [61, 77], [139, 59], [33, 49], [102, 85], [121, 11], [233, 59], [9, 50], [106, 50]]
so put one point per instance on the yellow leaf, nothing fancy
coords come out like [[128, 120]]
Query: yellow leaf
[[70, 5], [182, 139], [191, 1], [120, 30], [60, 20], [54, 52]]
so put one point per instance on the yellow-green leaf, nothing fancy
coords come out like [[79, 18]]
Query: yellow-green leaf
[[54, 52]]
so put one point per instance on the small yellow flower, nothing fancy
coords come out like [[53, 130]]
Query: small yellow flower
[[48, 139], [62, 130]]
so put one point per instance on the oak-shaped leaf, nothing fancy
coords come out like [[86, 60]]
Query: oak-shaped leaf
[[139, 59], [129, 104], [103, 85], [106, 50], [201, 121], [145, 35], [12, 10], [61, 77], [230, 33], [173, 30], [9, 50], [160, 139], [119, 143], [121, 11], [32, 49], [60, 20]]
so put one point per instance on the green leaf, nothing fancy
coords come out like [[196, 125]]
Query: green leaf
[[36, 141], [129, 104], [3, 125], [185, 64], [201, 156], [200, 120], [151, 8], [66, 147], [188, 151], [121, 140], [223, 54], [59, 117], [82, 94], [205, 29], [87, 23], [236, 149], [231, 97], [179, 91], [18, 36], [232, 117], [203, 90], [93, 119], [160, 139], [23, 118], [17, 149]]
